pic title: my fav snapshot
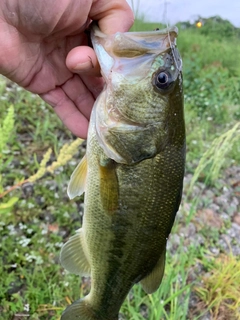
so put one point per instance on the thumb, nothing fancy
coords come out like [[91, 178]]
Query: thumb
[[112, 16]]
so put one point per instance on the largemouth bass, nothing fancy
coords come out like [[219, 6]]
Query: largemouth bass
[[132, 173]]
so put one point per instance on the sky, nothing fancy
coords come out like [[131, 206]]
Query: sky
[[183, 10]]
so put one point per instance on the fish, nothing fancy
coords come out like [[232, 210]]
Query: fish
[[132, 172]]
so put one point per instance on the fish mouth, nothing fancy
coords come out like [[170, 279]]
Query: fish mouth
[[110, 48], [131, 44]]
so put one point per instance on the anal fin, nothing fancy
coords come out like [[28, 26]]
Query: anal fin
[[152, 281], [73, 255], [82, 310]]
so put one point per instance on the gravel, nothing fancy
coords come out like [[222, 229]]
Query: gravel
[[217, 210]]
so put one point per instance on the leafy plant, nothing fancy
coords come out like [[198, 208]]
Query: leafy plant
[[65, 155]]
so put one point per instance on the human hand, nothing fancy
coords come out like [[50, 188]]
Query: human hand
[[44, 49]]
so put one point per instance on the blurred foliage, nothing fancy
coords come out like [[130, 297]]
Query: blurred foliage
[[141, 25], [218, 28], [215, 27], [211, 74]]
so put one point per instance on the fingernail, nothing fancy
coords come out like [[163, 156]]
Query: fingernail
[[85, 66]]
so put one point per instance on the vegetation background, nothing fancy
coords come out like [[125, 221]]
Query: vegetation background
[[38, 155]]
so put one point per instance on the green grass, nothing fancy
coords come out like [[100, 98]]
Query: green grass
[[33, 228], [220, 289]]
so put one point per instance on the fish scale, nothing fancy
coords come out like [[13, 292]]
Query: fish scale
[[132, 173]]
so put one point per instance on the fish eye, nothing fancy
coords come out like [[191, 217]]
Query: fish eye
[[162, 80]]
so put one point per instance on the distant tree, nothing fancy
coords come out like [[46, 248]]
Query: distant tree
[[218, 28], [185, 25]]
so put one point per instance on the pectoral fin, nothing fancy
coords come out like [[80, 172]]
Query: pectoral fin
[[76, 186], [73, 255], [151, 282], [109, 186]]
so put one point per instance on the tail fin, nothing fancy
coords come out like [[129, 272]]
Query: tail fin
[[81, 310]]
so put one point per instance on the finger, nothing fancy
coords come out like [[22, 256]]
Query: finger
[[94, 84], [83, 59], [67, 111], [81, 94], [112, 16]]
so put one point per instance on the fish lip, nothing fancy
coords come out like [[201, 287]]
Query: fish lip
[[173, 29], [94, 29]]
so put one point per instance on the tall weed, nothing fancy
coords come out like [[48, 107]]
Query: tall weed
[[214, 158], [6, 129]]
